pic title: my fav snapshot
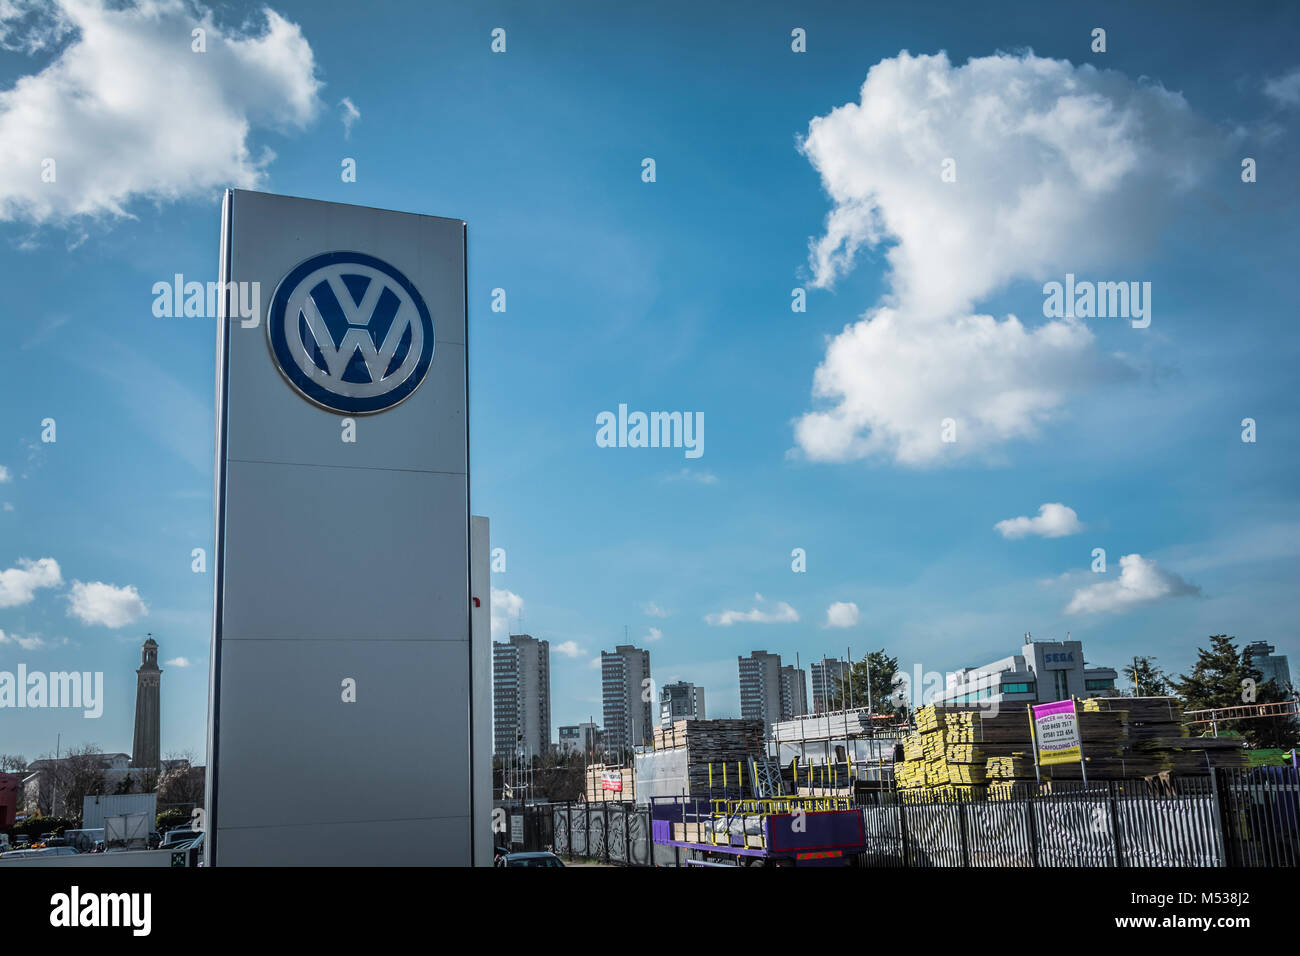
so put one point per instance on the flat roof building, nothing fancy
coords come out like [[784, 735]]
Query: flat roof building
[[521, 696], [626, 698], [680, 700], [1274, 667], [1042, 672], [826, 676]]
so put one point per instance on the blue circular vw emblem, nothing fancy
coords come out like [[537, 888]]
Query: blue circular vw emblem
[[350, 332]]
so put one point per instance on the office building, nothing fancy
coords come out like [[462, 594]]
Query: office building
[[580, 739], [1043, 671], [521, 696], [1274, 667], [627, 702], [681, 700]]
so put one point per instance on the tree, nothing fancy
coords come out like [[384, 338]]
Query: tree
[[12, 763], [66, 781], [1217, 679], [181, 782], [881, 668], [1224, 677], [1147, 679]]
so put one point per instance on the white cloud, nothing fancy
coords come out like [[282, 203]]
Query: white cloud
[[506, 609], [127, 111], [1284, 90], [595, 663], [106, 604], [4, 475], [18, 585], [1141, 581], [693, 476], [9, 506], [1059, 168], [31, 643], [177, 662], [568, 649], [349, 114], [653, 634], [841, 614], [782, 613], [1054, 520], [654, 610]]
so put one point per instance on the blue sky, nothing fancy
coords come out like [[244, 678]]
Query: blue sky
[[676, 295]]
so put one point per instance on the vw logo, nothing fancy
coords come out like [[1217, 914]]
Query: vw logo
[[350, 332]]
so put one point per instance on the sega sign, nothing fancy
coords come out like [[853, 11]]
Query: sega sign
[[1062, 658]]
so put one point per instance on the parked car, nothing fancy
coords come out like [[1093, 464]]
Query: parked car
[[179, 837], [531, 859], [47, 851]]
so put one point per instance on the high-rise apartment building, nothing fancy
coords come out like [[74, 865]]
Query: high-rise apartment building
[[627, 702], [680, 700], [826, 676], [521, 696], [794, 692]]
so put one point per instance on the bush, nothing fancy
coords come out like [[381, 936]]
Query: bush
[[168, 819], [35, 826]]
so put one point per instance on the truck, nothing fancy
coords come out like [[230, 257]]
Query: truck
[[754, 831]]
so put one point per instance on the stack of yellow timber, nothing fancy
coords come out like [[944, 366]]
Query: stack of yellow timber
[[912, 747], [1011, 767]]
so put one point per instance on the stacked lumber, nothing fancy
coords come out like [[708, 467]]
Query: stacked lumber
[[598, 773], [964, 752], [1016, 766], [723, 739], [1158, 740], [716, 744], [912, 747]]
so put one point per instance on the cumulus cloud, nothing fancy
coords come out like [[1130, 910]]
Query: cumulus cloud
[[19, 585], [780, 614], [506, 609], [1054, 520], [1141, 581], [177, 662], [568, 649], [1284, 90], [1058, 168], [4, 475], [654, 610], [106, 604], [653, 634], [841, 614], [127, 111]]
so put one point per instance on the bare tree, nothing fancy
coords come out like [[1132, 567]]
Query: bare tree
[[66, 781], [181, 782], [12, 763]]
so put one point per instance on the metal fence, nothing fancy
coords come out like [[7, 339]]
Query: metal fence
[[614, 832], [1232, 818], [1248, 817]]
